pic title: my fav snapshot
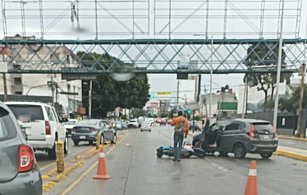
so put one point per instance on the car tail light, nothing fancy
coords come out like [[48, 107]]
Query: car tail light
[[93, 129], [47, 128], [25, 158], [251, 130]]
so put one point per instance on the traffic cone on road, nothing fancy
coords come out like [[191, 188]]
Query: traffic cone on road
[[101, 168], [251, 184]]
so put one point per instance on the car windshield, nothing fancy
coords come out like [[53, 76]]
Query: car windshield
[[70, 123], [88, 122], [27, 113]]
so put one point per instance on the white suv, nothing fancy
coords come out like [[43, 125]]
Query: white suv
[[133, 123], [41, 125]]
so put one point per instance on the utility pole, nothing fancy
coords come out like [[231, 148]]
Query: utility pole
[[5, 87], [300, 106], [90, 99], [56, 98], [211, 72], [279, 65], [74, 102], [178, 92], [52, 90], [244, 99]]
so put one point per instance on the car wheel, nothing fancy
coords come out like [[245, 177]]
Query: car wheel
[[159, 154], [114, 139], [239, 150], [199, 152], [266, 155], [66, 145], [52, 153], [90, 142], [196, 144], [76, 142]]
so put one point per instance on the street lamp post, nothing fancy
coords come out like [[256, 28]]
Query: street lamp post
[[211, 71], [279, 66]]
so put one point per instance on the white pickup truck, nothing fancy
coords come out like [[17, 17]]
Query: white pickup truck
[[41, 125]]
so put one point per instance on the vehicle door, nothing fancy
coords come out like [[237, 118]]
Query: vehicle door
[[230, 136], [59, 126], [31, 121]]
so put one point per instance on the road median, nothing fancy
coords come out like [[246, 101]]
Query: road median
[[292, 138], [293, 153]]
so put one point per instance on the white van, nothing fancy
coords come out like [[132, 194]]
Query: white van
[[41, 125]]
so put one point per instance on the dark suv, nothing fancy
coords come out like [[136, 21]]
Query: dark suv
[[19, 173], [241, 136]]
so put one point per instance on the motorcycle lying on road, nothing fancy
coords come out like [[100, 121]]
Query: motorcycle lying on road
[[186, 151]]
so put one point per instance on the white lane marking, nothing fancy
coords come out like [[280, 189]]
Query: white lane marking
[[219, 167]]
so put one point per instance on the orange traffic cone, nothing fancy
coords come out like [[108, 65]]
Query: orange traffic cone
[[101, 168], [251, 184]]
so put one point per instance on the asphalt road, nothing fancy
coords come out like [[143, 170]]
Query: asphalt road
[[44, 162], [135, 170]]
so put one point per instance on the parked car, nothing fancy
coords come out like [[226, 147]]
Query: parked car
[[239, 136], [133, 123], [163, 121], [69, 125], [151, 120], [18, 167], [41, 124], [125, 126], [146, 126], [118, 125], [86, 130]]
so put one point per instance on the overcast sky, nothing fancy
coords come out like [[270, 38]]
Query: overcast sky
[[62, 28]]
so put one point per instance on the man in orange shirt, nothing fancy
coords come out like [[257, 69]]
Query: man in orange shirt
[[181, 128]]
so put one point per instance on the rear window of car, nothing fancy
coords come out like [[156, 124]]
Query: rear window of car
[[7, 128], [88, 122], [263, 126], [27, 113]]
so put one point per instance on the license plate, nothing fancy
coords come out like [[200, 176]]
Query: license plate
[[82, 137], [266, 137]]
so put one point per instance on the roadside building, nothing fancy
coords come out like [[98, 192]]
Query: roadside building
[[66, 95]]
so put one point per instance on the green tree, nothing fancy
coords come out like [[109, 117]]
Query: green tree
[[108, 93], [262, 54], [291, 104]]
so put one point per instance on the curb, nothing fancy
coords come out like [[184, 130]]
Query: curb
[[292, 138], [292, 155]]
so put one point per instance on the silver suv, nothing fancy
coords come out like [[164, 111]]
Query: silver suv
[[18, 166]]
